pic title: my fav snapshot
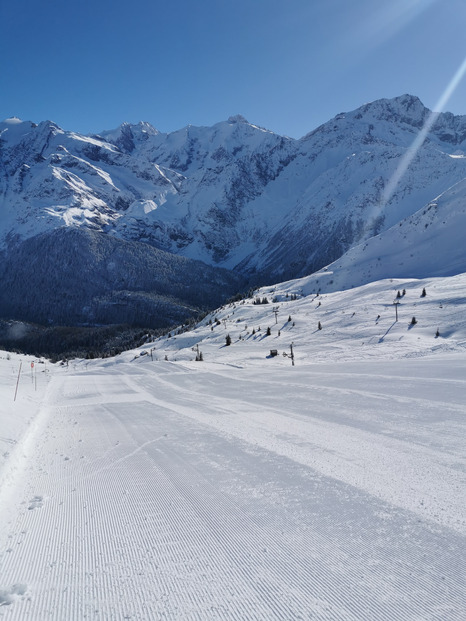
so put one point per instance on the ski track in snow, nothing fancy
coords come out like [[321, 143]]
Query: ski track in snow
[[202, 495], [374, 463]]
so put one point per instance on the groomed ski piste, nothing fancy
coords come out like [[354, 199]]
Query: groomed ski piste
[[243, 486]]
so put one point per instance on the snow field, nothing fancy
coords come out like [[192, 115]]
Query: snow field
[[21, 387], [356, 324], [242, 487]]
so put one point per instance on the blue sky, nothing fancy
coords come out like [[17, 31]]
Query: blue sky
[[285, 65]]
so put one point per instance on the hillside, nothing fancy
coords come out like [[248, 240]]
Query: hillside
[[71, 276], [355, 324], [151, 485]]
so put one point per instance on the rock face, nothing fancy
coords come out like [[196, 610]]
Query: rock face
[[233, 195]]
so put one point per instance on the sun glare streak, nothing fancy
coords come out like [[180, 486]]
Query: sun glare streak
[[382, 23], [420, 138]]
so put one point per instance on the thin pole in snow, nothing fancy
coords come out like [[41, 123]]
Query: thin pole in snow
[[17, 381]]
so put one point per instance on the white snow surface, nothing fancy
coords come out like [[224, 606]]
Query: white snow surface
[[153, 486]]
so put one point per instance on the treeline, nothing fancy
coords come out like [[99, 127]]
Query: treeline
[[67, 342], [76, 276]]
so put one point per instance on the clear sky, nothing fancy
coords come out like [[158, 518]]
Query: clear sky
[[287, 65]]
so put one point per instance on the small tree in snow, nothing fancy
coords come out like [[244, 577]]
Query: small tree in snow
[[227, 340]]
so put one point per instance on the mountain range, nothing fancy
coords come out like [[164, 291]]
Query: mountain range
[[138, 226]]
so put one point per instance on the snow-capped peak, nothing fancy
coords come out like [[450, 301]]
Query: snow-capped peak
[[405, 109], [13, 129], [237, 118], [127, 135]]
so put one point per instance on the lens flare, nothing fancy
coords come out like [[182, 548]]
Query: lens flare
[[380, 22], [348, 260], [420, 138]]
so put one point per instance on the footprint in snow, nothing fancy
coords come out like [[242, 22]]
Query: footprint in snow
[[8, 596], [35, 503]]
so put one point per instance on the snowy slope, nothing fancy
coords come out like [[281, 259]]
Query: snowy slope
[[243, 487], [356, 324], [427, 243]]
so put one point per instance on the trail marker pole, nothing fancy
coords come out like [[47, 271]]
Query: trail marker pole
[[17, 381]]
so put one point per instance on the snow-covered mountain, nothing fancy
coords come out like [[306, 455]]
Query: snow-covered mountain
[[427, 243], [238, 196]]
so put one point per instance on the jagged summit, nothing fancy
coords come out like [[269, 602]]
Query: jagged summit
[[237, 118], [389, 120], [405, 107], [13, 129], [128, 135]]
